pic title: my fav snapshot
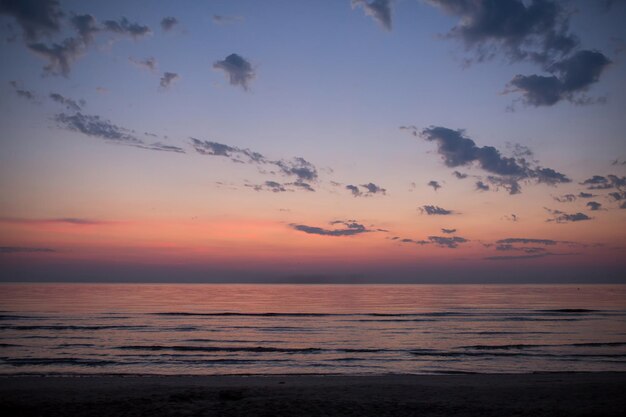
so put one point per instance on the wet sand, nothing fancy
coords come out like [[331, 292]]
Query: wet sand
[[550, 394]]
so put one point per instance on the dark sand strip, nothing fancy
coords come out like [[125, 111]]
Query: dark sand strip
[[555, 394]]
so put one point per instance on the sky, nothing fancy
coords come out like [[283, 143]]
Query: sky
[[387, 141]]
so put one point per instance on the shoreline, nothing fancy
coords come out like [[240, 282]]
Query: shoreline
[[537, 394]]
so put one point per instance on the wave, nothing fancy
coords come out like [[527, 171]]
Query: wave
[[531, 346], [253, 349], [70, 327]]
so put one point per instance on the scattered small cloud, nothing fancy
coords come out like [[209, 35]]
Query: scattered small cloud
[[599, 182], [434, 184], [223, 20], [451, 242], [567, 198], [149, 64], [168, 78], [94, 126], [238, 69], [124, 27], [379, 10], [28, 95], [481, 186], [350, 228], [511, 217], [594, 205], [562, 217], [434, 211], [448, 231], [168, 23], [459, 175], [71, 105]]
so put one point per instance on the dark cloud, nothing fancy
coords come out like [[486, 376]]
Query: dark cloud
[[515, 257], [567, 198], [86, 25], [28, 95], [269, 186], [60, 56], [379, 10], [598, 182], [594, 205], [562, 217], [481, 186], [354, 190], [301, 184], [618, 195], [448, 231], [69, 104], [168, 23], [221, 19], [168, 78], [97, 127], [617, 162], [434, 184], [302, 169], [459, 175], [456, 149], [365, 190], [451, 242], [434, 211], [525, 249], [149, 63], [350, 228], [126, 28], [37, 18], [238, 69], [526, 241], [536, 29], [7, 250], [79, 221], [574, 76], [585, 195]]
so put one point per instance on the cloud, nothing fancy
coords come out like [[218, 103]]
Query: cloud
[[351, 228], [238, 70], [536, 30], [168, 23], [69, 104], [124, 27], [448, 231], [7, 250], [86, 25], [379, 10], [594, 205], [221, 19], [97, 127], [512, 218], [79, 221], [526, 249], [574, 75], [481, 186], [562, 217], [60, 56], [434, 184], [618, 195], [37, 18], [456, 149], [598, 182], [434, 211], [28, 95], [526, 241], [270, 186], [354, 190], [567, 198], [149, 63], [451, 242], [585, 195], [168, 78], [459, 175], [369, 190], [299, 167], [515, 257]]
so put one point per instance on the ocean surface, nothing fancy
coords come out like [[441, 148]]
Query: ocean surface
[[301, 329]]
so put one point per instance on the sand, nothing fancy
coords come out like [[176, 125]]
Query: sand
[[550, 394]]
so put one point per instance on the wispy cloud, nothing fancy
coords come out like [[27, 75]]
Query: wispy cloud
[[434, 210], [8, 250], [379, 10], [350, 228]]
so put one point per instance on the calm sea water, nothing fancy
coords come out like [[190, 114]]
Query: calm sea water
[[281, 329]]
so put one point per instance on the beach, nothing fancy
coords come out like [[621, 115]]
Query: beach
[[542, 394]]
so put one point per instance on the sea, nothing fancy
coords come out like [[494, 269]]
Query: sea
[[227, 329]]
